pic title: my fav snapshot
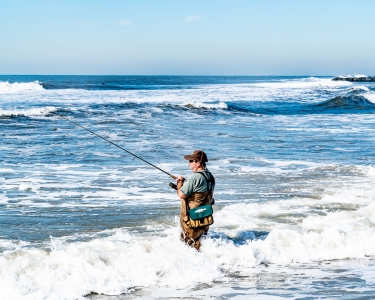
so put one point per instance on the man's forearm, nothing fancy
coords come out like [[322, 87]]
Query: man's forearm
[[180, 194]]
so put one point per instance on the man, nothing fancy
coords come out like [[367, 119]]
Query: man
[[196, 191]]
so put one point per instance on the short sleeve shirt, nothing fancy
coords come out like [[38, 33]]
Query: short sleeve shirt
[[196, 183]]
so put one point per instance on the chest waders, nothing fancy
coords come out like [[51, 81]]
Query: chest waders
[[196, 214]]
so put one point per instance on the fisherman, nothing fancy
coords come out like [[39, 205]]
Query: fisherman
[[195, 191]]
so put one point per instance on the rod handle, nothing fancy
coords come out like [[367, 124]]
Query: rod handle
[[173, 186]]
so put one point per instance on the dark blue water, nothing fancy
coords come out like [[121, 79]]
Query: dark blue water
[[138, 82]]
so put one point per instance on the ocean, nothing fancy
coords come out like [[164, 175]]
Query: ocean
[[293, 159]]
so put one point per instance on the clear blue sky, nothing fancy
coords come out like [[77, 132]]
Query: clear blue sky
[[187, 37]]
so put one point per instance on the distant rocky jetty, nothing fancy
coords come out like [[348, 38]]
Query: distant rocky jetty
[[355, 78]]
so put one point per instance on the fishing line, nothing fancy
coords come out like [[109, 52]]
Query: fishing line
[[114, 144]]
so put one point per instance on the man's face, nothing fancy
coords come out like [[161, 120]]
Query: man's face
[[194, 165]]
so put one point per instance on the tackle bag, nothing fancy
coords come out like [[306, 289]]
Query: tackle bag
[[200, 216]]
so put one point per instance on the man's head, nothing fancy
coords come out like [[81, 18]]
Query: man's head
[[197, 160]]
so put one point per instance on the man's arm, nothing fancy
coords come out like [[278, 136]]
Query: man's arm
[[180, 182]]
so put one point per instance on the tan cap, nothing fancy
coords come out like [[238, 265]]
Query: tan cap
[[197, 155]]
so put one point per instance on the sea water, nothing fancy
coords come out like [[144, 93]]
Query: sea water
[[293, 159]]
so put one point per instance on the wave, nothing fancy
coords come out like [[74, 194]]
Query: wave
[[370, 97], [347, 102], [118, 260], [303, 83], [16, 87], [199, 105], [352, 102], [31, 112], [358, 97]]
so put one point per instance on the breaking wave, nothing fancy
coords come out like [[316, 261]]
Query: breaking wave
[[32, 112], [199, 105], [16, 87], [120, 260], [347, 102]]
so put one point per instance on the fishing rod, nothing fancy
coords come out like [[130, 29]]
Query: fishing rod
[[114, 144]]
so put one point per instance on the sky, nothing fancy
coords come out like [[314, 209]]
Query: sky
[[190, 37]]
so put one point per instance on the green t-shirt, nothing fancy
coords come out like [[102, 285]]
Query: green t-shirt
[[196, 183]]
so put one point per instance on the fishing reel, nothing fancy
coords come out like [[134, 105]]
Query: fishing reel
[[173, 186]]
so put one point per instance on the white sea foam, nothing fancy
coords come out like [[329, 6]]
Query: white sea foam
[[202, 96], [8, 246], [31, 112], [338, 235], [122, 260], [110, 265], [360, 88], [6, 170], [370, 96], [351, 76], [370, 171], [305, 212], [220, 105], [114, 264], [107, 154], [303, 83], [16, 87]]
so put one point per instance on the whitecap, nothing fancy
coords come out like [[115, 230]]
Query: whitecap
[[370, 96], [31, 112], [16, 87], [220, 105]]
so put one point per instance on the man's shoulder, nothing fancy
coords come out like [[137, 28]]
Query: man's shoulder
[[204, 173], [200, 177], [196, 176], [200, 174]]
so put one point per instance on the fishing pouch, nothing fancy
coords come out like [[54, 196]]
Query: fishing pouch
[[200, 216]]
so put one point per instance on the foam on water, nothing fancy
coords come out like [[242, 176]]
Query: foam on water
[[121, 260], [31, 112], [370, 96], [19, 87], [303, 89], [294, 190], [220, 105], [304, 83], [111, 265]]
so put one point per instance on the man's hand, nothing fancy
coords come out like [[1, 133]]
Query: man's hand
[[180, 181]]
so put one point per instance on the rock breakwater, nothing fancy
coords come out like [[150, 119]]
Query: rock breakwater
[[355, 78]]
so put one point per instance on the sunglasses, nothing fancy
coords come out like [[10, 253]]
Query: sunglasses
[[191, 161]]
